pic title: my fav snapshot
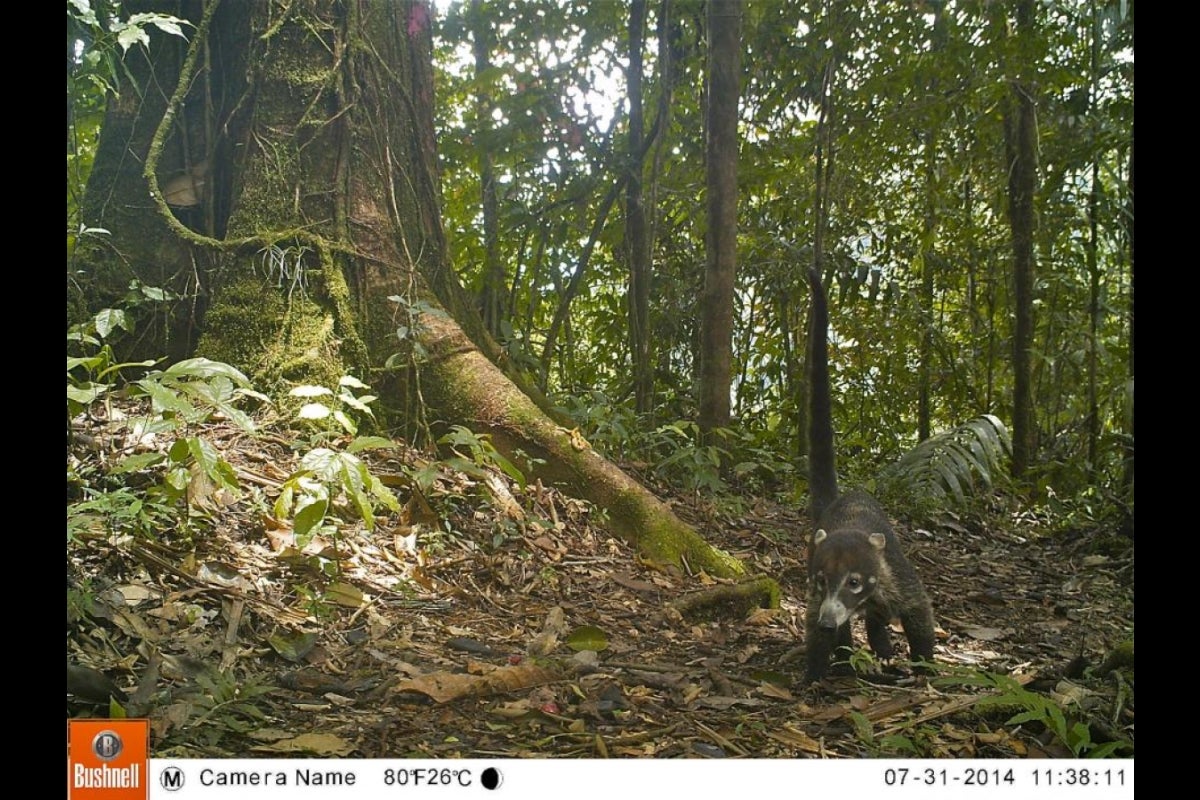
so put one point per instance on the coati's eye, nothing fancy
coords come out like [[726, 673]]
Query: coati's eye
[[854, 583]]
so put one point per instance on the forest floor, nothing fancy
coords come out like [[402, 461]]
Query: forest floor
[[487, 619]]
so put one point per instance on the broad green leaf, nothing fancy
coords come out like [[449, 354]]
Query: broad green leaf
[[344, 594], [204, 453], [137, 462], [130, 35], [314, 411], [87, 362], [310, 391], [292, 645], [359, 403], [204, 368], [109, 320], [164, 399], [310, 515], [86, 393], [180, 450], [346, 423], [370, 443], [587, 637], [353, 382], [325, 464]]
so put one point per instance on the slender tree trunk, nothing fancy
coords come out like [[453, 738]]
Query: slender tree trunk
[[924, 365], [636, 242], [1127, 477], [573, 286], [668, 29], [716, 303], [928, 235], [491, 295], [1093, 264], [1020, 139]]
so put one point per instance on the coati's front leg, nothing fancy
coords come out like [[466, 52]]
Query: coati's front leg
[[918, 629], [879, 636], [820, 643]]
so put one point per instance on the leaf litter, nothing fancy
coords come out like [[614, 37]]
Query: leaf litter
[[461, 627]]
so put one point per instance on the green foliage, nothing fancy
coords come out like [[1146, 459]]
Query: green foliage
[[1032, 707], [328, 480], [118, 512], [409, 331], [949, 465], [892, 745], [474, 453], [917, 246], [228, 703], [318, 408], [192, 471]]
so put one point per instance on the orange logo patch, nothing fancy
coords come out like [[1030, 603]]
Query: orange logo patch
[[107, 759]]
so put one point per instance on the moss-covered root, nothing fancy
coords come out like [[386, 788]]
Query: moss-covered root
[[730, 602], [465, 387]]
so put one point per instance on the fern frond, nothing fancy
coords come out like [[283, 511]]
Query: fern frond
[[952, 464]]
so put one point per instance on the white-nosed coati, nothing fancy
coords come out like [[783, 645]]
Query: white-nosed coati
[[855, 564]]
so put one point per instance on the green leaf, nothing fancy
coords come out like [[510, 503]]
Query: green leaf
[[292, 645], [130, 35], [346, 423], [587, 637], [310, 515], [136, 463], [108, 320], [359, 403], [309, 391], [86, 393], [323, 463], [352, 382], [204, 368], [370, 443], [1026, 716], [164, 399], [314, 411], [180, 450]]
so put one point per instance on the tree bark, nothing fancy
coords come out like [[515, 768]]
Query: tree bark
[[491, 295], [1020, 140], [928, 236], [716, 303], [328, 235], [636, 241], [1127, 475]]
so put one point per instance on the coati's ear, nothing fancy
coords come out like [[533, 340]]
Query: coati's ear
[[819, 536], [878, 540]]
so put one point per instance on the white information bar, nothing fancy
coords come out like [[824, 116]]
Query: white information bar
[[683, 779]]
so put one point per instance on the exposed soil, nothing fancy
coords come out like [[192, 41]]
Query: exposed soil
[[453, 630]]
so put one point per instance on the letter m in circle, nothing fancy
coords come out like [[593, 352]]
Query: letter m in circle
[[171, 779]]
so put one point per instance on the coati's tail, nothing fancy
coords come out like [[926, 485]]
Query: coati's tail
[[822, 469]]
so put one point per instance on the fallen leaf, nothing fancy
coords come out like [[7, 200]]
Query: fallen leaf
[[324, 745], [984, 634]]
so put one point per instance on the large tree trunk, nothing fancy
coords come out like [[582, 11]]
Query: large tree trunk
[[315, 234], [716, 304]]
